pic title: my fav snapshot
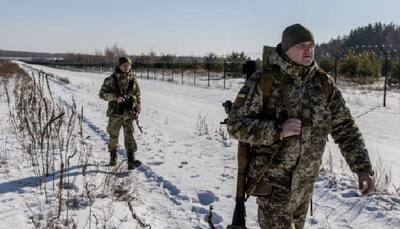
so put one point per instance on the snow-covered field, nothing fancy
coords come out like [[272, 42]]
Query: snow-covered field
[[187, 168]]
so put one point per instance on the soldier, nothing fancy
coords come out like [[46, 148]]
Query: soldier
[[122, 92], [287, 134]]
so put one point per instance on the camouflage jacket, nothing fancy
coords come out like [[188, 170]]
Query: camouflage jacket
[[121, 84], [294, 161]]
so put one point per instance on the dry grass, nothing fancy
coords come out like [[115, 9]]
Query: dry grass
[[202, 126], [9, 69], [383, 177]]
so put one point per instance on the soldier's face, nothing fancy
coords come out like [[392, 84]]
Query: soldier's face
[[302, 53], [125, 67]]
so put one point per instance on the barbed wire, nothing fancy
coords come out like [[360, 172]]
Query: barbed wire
[[382, 51]]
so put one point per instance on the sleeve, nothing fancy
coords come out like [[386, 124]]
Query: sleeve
[[347, 135], [107, 91], [136, 93], [245, 122]]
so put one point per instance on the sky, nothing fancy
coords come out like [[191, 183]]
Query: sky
[[181, 27]]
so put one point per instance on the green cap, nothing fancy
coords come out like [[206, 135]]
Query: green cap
[[295, 34], [123, 60]]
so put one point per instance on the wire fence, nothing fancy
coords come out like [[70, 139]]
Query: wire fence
[[383, 59], [205, 74]]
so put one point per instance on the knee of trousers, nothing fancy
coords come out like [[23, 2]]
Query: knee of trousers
[[274, 212], [131, 146]]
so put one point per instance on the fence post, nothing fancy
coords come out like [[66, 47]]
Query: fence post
[[163, 70], [172, 75], [384, 87], [194, 74], [224, 75], [208, 80], [182, 73], [336, 67], [336, 62]]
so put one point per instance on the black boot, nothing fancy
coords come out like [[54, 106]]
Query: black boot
[[132, 163], [113, 158]]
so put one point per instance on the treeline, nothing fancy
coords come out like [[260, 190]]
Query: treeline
[[108, 58], [231, 62], [24, 54], [365, 54], [377, 34]]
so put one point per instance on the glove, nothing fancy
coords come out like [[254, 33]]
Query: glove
[[365, 183], [135, 114]]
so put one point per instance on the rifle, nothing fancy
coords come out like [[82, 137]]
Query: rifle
[[243, 155], [137, 124], [127, 104], [239, 214]]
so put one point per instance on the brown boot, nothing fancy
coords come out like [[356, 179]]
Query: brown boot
[[113, 158]]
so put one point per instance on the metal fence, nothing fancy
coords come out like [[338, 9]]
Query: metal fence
[[204, 74]]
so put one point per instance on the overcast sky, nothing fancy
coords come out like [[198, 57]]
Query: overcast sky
[[181, 27]]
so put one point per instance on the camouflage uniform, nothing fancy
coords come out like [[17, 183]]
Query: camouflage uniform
[[121, 114], [293, 162]]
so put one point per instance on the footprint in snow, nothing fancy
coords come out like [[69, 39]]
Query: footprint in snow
[[155, 163], [227, 176], [350, 194], [207, 197]]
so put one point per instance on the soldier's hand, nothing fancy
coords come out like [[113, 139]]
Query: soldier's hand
[[365, 183], [120, 99], [135, 115], [291, 127]]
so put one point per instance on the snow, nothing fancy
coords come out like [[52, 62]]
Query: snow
[[187, 169]]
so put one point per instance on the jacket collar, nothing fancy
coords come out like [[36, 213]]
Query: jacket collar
[[119, 74]]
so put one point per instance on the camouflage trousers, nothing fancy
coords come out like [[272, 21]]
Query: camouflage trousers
[[279, 211], [114, 126]]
